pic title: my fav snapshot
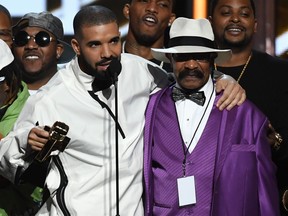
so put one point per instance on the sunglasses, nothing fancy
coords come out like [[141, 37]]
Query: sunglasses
[[42, 38], [199, 57]]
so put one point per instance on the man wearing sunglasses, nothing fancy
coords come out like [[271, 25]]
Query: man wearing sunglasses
[[39, 47], [198, 160]]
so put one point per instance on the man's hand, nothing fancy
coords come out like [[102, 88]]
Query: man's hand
[[233, 93], [48, 139], [37, 138]]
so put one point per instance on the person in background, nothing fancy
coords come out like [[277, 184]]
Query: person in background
[[13, 91], [198, 160], [263, 77], [38, 47], [5, 25], [11, 86], [13, 95], [148, 23]]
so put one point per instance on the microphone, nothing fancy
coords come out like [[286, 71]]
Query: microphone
[[114, 69]]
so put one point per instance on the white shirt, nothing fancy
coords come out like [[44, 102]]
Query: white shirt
[[190, 114], [89, 158], [32, 92]]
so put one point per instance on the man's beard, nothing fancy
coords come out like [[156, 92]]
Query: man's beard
[[100, 75], [146, 40], [30, 78], [238, 44], [102, 79]]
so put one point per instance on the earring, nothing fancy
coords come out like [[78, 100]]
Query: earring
[[169, 24]]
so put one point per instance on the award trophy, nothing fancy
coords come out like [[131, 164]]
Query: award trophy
[[57, 140]]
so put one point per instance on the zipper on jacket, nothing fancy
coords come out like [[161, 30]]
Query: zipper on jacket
[[63, 183]]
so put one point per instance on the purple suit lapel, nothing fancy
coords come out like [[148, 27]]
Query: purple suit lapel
[[147, 171]]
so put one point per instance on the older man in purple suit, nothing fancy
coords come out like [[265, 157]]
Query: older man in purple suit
[[198, 160]]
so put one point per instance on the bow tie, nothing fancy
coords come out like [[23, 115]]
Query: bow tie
[[197, 97]]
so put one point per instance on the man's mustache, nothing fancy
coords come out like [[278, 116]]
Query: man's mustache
[[186, 72], [103, 61]]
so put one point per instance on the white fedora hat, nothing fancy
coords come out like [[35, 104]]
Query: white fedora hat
[[191, 36], [6, 56]]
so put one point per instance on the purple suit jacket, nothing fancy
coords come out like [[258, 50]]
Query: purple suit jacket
[[241, 145]]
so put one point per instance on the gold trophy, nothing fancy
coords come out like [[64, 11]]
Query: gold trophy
[[57, 140]]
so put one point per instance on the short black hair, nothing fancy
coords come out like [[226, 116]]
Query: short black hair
[[92, 15], [213, 4], [6, 12]]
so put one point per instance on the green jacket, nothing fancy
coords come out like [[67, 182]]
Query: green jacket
[[13, 111], [21, 198]]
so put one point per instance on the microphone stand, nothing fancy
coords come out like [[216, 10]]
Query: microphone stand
[[113, 70], [115, 82]]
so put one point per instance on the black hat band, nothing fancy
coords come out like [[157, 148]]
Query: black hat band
[[190, 41]]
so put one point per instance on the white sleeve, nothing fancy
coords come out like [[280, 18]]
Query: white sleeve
[[13, 147]]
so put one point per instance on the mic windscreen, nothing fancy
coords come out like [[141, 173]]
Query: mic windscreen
[[114, 69]]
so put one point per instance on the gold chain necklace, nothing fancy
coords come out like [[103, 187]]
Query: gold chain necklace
[[244, 68]]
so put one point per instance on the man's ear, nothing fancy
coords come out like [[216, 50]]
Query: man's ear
[[75, 46], [125, 11], [172, 18], [255, 25], [59, 50], [210, 19]]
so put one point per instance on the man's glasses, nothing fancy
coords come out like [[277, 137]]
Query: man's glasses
[[199, 57], [42, 38]]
